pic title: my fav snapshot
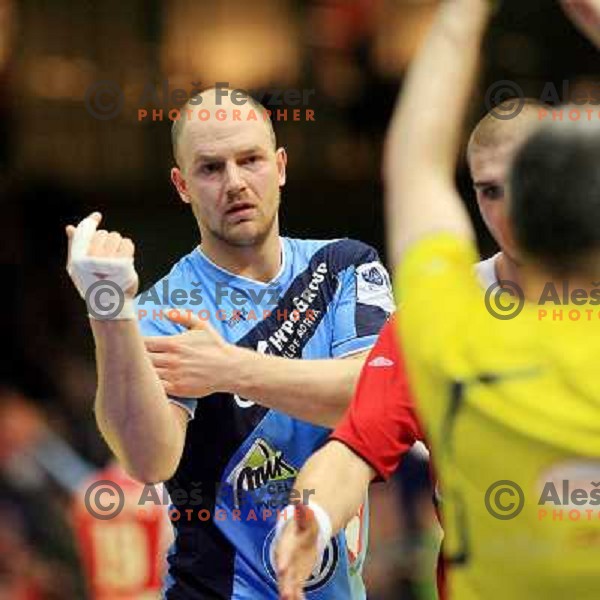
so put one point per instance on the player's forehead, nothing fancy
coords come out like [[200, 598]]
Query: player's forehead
[[490, 163], [497, 141], [226, 137]]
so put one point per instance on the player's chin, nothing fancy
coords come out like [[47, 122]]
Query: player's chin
[[245, 233]]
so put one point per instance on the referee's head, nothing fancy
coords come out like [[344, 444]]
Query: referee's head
[[555, 199]]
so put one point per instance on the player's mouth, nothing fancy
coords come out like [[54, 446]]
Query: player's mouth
[[240, 211]]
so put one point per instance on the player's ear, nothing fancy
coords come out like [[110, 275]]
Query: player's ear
[[281, 160], [180, 184]]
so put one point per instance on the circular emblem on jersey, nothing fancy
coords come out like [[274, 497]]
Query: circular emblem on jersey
[[320, 575]]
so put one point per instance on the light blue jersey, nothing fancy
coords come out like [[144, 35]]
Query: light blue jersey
[[329, 300]]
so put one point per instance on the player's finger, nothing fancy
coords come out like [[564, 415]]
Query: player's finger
[[70, 230], [96, 247], [189, 320], [126, 248], [165, 375], [289, 588], [158, 344], [83, 235], [161, 360], [112, 243], [169, 387]]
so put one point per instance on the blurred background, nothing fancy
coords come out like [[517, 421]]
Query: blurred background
[[60, 159]]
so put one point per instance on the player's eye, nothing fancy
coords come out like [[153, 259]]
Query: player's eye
[[493, 192], [250, 160], [211, 168]]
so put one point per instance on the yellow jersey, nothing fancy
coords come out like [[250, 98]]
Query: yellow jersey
[[511, 411]]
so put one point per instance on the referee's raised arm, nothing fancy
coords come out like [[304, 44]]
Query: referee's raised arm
[[424, 136]]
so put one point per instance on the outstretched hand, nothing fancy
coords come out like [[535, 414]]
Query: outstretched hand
[[296, 553]]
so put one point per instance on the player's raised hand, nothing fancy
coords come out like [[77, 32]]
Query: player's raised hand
[[101, 267], [191, 364], [586, 16], [296, 552]]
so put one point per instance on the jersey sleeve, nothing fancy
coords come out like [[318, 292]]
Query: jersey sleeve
[[153, 322], [364, 305], [381, 424]]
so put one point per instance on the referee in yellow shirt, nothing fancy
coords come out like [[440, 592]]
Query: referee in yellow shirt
[[510, 401], [507, 397]]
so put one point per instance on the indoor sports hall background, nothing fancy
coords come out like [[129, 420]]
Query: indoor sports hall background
[[85, 93]]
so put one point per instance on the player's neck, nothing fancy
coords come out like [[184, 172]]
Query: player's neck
[[507, 269], [260, 262], [576, 288]]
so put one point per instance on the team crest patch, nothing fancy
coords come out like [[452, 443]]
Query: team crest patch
[[373, 286], [373, 276]]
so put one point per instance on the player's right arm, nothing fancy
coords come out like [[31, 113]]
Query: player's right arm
[[143, 429], [379, 428], [337, 480]]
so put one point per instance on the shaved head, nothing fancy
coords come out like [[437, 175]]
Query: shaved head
[[492, 132], [492, 147], [210, 101], [229, 170]]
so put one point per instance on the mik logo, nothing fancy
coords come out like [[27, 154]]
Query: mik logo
[[261, 466]]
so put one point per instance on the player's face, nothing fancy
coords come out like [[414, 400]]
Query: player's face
[[489, 170], [231, 175]]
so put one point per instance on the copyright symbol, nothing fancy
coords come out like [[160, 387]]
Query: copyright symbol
[[104, 100], [504, 300], [98, 506], [504, 500], [498, 93], [104, 299]]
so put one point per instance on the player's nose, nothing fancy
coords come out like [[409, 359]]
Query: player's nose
[[235, 182]]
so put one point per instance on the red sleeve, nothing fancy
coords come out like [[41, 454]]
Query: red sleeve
[[381, 425]]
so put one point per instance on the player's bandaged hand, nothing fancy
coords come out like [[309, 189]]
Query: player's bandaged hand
[[101, 267]]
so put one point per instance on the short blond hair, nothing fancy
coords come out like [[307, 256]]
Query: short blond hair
[[493, 131]]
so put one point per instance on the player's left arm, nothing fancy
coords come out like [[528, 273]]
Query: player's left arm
[[424, 136], [317, 391]]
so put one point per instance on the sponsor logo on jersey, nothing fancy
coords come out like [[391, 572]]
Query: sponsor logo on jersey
[[287, 340], [381, 361], [573, 484], [261, 467]]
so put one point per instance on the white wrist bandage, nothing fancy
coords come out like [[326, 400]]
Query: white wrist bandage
[[321, 517], [102, 282]]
